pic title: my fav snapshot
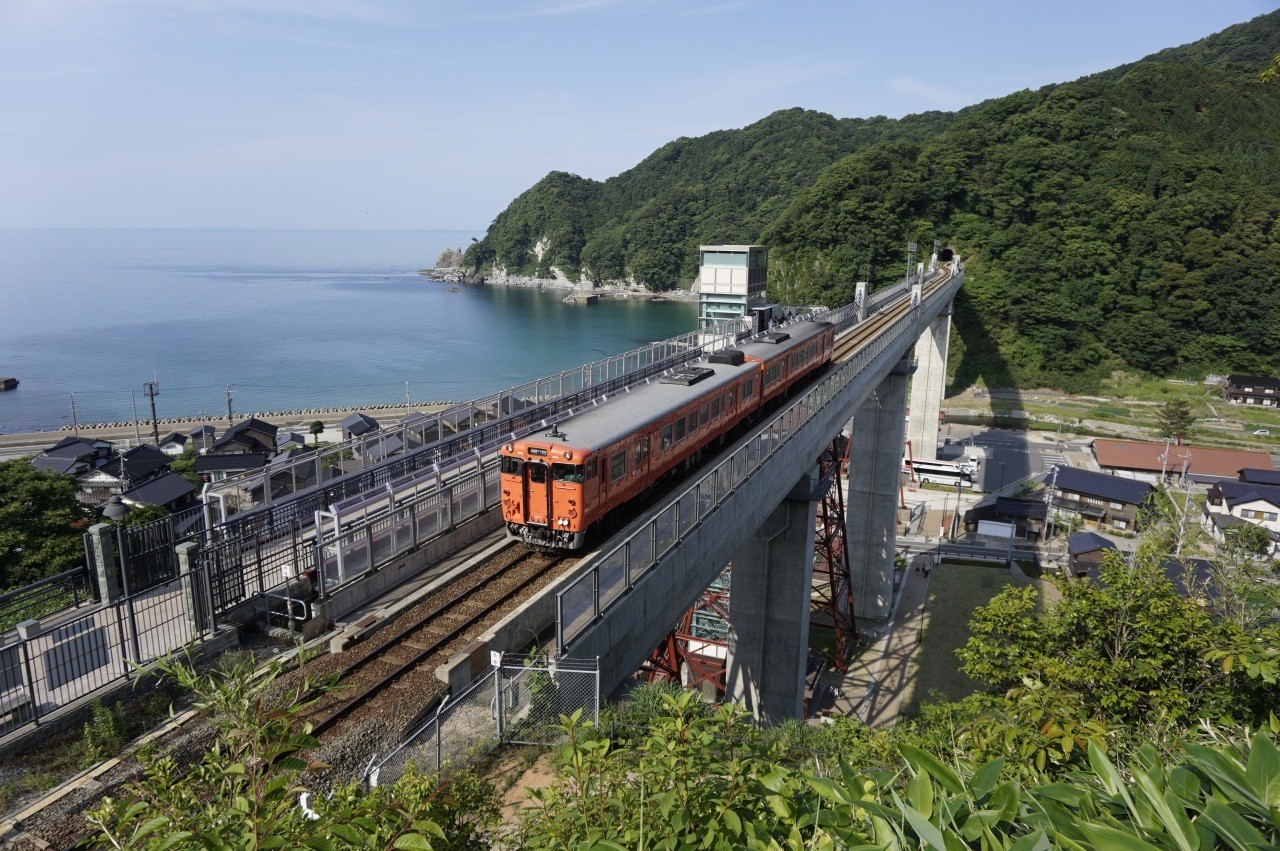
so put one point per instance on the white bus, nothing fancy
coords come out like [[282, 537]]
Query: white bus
[[947, 473]]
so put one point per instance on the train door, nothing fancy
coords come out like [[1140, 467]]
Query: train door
[[537, 492]]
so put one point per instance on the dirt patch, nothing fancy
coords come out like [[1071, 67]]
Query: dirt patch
[[517, 770]]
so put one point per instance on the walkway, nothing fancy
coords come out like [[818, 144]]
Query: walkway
[[874, 685]]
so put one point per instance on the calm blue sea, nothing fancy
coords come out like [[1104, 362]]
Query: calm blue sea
[[290, 319]]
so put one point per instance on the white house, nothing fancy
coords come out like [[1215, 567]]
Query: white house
[[1237, 503]]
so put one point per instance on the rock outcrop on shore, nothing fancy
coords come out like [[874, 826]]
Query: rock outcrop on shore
[[609, 289]]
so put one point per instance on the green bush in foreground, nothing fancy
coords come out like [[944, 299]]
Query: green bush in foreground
[[713, 781]]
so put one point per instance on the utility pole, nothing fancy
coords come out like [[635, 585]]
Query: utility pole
[[1048, 502], [1164, 461], [152, 390], [1186, 507], [406, 398], [228, 404], [133, 397], [75, 426], [911, 257]]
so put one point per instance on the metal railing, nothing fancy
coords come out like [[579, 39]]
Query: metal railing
[[589, 596], [517, 702], [62, 591], [44, 667]]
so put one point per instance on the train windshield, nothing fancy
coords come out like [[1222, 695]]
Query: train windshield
[[511, 466], [567, 472], [537, 473]]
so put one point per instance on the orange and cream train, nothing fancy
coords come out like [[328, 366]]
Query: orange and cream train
[[556, 485]]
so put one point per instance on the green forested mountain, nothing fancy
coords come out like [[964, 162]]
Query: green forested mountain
[[1130, 219]]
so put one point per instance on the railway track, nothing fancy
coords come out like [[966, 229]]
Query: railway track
[[432, 626], [867, 331]]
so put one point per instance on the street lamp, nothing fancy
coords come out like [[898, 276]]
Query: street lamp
[[1001, 463]]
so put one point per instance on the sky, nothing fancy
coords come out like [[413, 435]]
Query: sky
[[383, 114]]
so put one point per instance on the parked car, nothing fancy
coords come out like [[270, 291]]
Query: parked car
[[1262, 432]]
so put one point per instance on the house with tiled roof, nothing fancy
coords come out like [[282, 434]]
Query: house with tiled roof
[[120, 472], [73, 455], [358, 425], [1234, 504], [169, 491], [1086, 550], [1260, 390], [250, 435], [1098, 499], [1138, 459]]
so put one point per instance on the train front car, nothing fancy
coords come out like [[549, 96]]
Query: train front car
[[544, 490], [556, 484]]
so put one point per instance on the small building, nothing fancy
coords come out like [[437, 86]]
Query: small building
[[284, 438], [1143, 461], [173, 443], [1026, 516], [1252, 390], [120, 472], [250, 435], [215, 468], [1085, 551], [731, 279], [358, 425], [1260, 476], [73, 455], [1100, 500], [169, 491], [203, 437]]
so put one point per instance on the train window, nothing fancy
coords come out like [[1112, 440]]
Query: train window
[[679, 429], [704, 415], [693, 422], [772, 374], [666, 438], [537, 473], [733, 398], [590, 469], [618, 465], [749, 388], [642, 451], [717, 408], [511, 466], [567, 472]]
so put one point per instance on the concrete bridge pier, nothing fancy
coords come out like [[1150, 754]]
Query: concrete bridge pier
[[769, 608], [928, 385], [875, 473]]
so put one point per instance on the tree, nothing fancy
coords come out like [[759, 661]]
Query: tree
[[185, 465], [317, 426], [1174, 419], [246, 791], [41, 524], [141, 515], [1130, 645]]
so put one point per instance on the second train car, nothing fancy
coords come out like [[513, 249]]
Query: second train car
[[556, 485]]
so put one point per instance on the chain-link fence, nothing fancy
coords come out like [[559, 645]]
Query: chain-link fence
[[517, 702]]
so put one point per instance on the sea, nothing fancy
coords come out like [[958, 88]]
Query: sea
[[288, 319]]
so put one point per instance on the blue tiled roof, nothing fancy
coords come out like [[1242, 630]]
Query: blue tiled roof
[[160, 491], [1101, 485], [1088, 542]]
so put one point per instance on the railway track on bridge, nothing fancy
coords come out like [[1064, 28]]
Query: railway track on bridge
[[864, 332]]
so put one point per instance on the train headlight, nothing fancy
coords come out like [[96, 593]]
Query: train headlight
[[509, 448], [568, 455]]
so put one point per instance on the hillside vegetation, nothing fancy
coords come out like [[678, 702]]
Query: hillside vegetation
[[1130, 219]]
